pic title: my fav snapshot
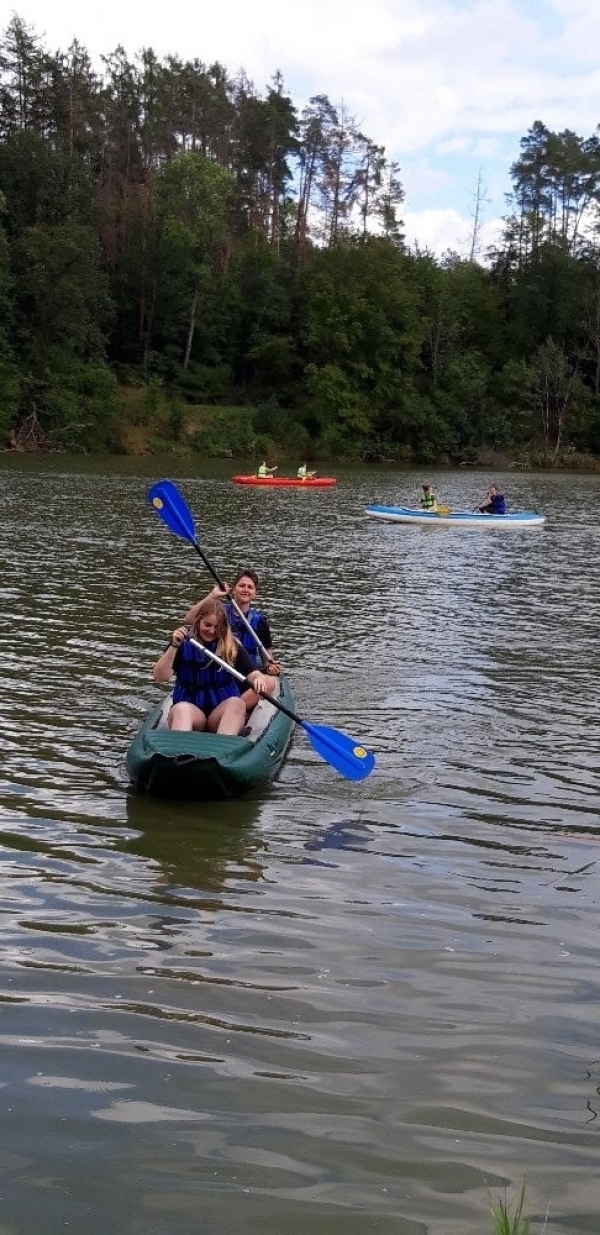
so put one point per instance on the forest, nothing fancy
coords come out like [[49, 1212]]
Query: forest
[[189, 263]]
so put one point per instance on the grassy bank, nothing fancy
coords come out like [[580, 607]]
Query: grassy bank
[[150, 423]]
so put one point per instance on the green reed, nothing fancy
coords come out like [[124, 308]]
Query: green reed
[[507, 1222]]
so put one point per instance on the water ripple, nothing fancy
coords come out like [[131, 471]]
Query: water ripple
[[328, 1003]]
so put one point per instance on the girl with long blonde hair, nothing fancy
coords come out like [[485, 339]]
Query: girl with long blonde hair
[[205, 696]]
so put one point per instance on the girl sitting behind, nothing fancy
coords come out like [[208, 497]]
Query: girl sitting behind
[[206, 696], [244, 591]]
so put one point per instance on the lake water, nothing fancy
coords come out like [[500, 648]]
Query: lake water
[[326, 1008]]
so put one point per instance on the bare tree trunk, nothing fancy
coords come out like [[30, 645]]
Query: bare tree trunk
[[306, 185], [191, 329], [546, 407], [597, 341], [148, 329], [435, 341], [562, 404], [480, 197], [71, 138]]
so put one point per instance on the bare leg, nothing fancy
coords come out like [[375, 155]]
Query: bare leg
[[228, 717], [185, 717], [251, 697]]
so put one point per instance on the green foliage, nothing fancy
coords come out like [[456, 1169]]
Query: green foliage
[[192, 201], [62, 293], [335, 399], [176, 419], [224, 430], [514, 419], [168, 223], [361, 339], [203, 383], [61, 311], [259, 311], [81, 409], [510, 1220], [152, 399], [9, 374], [10, 390]]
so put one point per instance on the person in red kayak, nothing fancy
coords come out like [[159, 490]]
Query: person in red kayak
[[303, 473], [263, 470]]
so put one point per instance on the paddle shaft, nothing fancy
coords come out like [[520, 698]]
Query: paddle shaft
[[242, 616], [189, 534], [246, 681]]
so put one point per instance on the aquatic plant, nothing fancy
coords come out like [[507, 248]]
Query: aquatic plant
[[507, 1222]]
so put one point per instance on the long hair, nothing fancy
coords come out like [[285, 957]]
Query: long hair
[[227, 646]]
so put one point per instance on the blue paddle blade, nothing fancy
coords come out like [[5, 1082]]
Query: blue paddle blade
[[342, 752], [166, 500]]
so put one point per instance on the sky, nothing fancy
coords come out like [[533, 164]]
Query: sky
[[449, 87]]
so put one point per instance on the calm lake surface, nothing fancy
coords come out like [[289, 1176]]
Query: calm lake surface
[[326, 1008]]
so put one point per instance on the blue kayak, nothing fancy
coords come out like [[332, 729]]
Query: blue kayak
[[465, 518]]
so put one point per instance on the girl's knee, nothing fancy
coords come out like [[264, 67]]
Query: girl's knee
[[177, 716], [185, 717]]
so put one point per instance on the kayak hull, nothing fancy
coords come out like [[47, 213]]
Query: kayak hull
[[207, 766], [289, 482], [460, 518]]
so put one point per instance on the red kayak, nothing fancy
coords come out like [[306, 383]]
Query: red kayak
[[277, 482]]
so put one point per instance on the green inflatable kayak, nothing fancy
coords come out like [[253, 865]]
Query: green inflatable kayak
[[207, 766]]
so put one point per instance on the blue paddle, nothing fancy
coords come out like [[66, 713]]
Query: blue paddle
[[168, 503], [342, 752]]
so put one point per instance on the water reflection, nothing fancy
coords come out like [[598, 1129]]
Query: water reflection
[[345, 834], [196, 846]]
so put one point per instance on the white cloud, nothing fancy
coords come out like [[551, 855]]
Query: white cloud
[[421, 178], [440, 230], [436, 230]]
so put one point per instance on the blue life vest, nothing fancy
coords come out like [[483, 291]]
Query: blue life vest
[[242, 635], [495, 506], [199, 680]]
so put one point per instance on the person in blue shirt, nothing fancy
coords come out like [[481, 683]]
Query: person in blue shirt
[[244, 591], [494, 503], [205, 696]]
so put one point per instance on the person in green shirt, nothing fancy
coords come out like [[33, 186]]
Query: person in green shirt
[[303, 473], [266, 471], [428, 498]]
